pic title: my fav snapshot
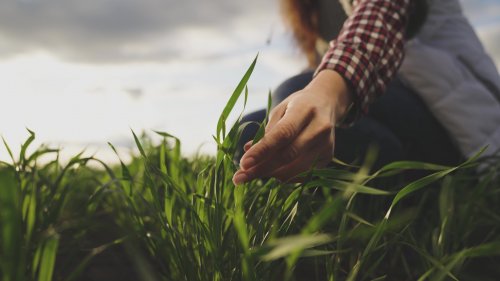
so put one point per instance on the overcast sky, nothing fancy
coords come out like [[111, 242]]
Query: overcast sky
[[83, 72], [118, 31]]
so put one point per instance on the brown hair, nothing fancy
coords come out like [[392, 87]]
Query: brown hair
[[301, 16]]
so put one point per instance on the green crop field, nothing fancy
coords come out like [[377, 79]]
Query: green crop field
[[162, 216]]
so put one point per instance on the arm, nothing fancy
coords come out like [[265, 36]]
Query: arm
[[369, 49], [359, 64]]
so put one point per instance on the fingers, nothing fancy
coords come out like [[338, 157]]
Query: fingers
[[317, 157], [275, 115], [282, 133], [299, 132], [313, 146], [307, 143], [247, 146]]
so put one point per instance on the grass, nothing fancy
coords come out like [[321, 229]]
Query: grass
[[166, 217]]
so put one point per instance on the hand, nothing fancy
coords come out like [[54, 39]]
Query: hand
[[300, 132]]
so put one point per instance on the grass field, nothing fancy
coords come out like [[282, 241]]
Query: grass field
[[166, 217]]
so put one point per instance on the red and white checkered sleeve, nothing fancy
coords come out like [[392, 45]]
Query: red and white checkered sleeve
[[369, 50]]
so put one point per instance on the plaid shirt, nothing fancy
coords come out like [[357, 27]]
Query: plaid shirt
[[369, 50]]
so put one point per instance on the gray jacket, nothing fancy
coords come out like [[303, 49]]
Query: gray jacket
[[447, 66]]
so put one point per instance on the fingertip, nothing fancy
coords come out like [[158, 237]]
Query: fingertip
[[247, 163], [240, 178], [247, 146]]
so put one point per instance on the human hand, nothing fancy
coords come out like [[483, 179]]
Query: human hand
[[300, 131]]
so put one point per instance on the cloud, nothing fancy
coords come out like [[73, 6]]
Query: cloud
[[114, 30], [122, 31], [135, 93]]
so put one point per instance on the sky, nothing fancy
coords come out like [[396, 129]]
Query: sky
[[81, 73]]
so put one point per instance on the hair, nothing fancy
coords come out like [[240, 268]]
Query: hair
[[301, 16]]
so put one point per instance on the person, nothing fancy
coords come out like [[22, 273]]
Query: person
[[432, 101]]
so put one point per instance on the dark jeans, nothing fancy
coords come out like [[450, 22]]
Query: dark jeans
[[399, 125]]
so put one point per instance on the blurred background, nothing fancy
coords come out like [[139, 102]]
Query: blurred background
[[81, 73]]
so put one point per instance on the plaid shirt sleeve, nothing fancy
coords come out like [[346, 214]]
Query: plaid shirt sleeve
[[369, 50]]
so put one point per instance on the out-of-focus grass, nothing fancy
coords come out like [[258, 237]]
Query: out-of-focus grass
[[166, 217], [44, 211]]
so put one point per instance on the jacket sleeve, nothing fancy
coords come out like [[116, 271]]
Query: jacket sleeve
[[369, 50]]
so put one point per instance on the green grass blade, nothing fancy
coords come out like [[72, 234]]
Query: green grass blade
[[232, 101], [139, 145], [285, 246], [9, 151], [262, 127], [48, 258], [347, 187], [418, 184], [10, 227], [24, 147]]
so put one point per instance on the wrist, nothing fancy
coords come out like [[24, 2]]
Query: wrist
[[336, 88]]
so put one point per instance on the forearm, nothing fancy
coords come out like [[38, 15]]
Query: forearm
[[369, 49]]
